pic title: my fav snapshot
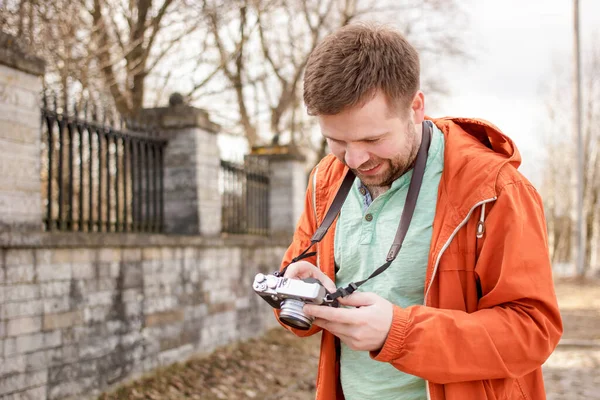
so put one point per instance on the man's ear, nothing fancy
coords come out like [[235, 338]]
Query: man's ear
[[418, 108]]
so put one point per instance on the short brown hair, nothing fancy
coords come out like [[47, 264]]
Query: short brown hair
[[350, 65]]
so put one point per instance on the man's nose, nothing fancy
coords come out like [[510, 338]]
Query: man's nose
[[355, 156]]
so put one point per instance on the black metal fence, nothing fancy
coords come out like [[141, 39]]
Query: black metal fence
[[245, 195], [96, 178]]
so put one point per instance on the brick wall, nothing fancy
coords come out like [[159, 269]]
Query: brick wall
[[76, 320]]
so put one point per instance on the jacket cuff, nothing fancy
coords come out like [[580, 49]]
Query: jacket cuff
[[395, 339]]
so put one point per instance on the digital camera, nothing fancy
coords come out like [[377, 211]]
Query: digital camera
[[290, 295]]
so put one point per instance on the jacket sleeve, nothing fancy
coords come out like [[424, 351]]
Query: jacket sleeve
[[517, 324], [305, 228]]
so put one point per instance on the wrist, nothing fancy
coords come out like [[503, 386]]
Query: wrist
[[394, 342]]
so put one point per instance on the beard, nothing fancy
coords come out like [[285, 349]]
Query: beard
[[391, 168]]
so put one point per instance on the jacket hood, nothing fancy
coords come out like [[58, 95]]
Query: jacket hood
[[486, 133], [475, 154]]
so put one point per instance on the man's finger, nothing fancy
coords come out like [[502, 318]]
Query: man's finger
[[359, 299], [325, 280], [304, 269], [340, 315], [300, 269], [327, 283], [323, 323], [342, 331], [336, 328]]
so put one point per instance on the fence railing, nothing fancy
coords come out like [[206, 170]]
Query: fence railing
[[245, 196], [96, 178]]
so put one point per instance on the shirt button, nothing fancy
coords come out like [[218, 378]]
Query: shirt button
[[369, 217], [362, 191]]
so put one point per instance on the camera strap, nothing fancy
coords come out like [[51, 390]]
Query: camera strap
[[330, 216], [405, 218]]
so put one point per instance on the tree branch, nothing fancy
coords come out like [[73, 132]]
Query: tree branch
[[266, 52], [116, 28], [156, 25], [121, 102], [166, 50], [203, 82]]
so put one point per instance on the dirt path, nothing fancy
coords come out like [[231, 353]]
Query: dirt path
[[280, 366], [573, 371]]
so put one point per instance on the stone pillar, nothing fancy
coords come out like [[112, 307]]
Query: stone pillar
[[20, 90], [192, 164], [287, 180]]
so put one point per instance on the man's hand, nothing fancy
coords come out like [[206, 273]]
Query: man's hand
[[304, 269], [363, 328]]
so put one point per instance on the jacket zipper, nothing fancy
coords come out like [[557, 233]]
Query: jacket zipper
[[446, 245]]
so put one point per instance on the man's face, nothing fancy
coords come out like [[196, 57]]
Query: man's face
[[377, 144]]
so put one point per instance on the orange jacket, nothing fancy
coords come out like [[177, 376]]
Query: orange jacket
[[490, 317]]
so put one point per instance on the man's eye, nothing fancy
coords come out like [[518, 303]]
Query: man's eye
[[372, 140]]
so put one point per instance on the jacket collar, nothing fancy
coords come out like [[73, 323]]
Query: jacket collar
[[471, 171]]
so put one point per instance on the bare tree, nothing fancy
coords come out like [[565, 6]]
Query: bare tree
[[55, 31], [109, 48], [556, 178], [140, 33], [556, 192], [591, 118], [263, 47], [252, 53], [232, 62]]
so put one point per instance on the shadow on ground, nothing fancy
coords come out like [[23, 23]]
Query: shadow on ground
[[275, 366]]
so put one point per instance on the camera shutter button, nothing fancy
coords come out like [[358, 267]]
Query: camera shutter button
[[272, 282]]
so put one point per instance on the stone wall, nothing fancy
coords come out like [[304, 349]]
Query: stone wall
[[81, 312], [287, 180], [20, 89], [192, 163], [76, 319]]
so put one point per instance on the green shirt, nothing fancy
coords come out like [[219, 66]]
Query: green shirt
[[364, 233]]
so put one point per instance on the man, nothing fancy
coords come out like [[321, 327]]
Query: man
[[467, 310]]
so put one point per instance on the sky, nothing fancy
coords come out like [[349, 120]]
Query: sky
[[515, 45]]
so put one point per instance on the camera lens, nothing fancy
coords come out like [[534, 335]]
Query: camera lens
[[292, 315]]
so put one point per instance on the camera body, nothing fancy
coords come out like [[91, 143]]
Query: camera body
[[290, 295]]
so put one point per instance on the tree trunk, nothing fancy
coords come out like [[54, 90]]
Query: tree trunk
[[105, 62], [594, 264], [579, 229], [137, 91], [245, 120]]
